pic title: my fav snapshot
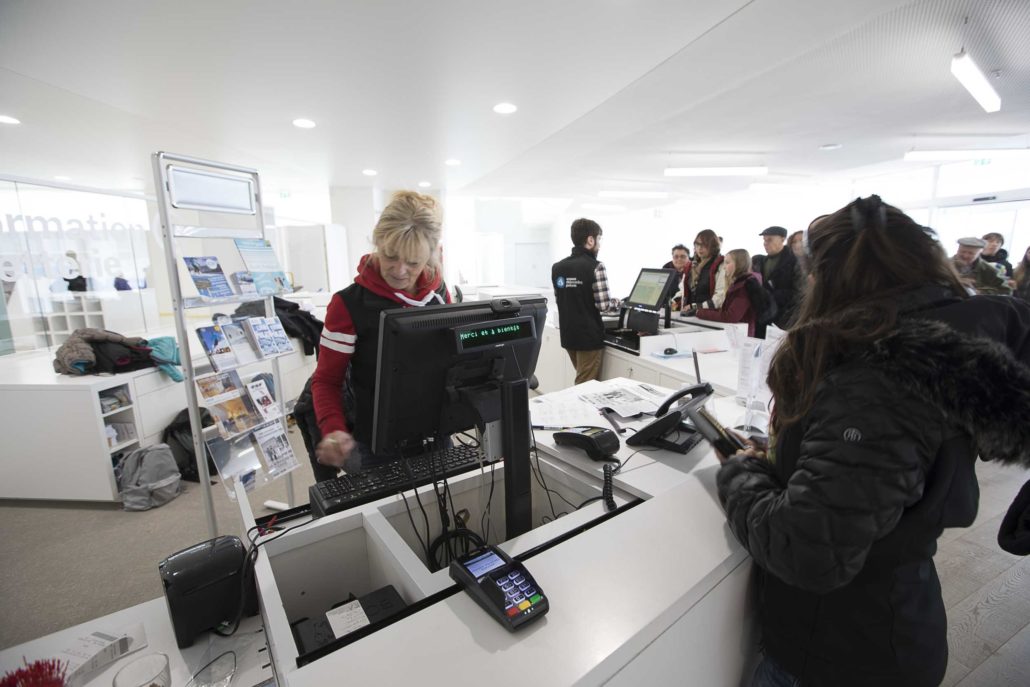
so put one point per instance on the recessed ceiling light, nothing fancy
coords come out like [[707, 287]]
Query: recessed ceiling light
[[632, 194], [505, 108], [6, 119], [716, 171], [369, 172], [424, 184], [831, 146], [61, 177], [452, 162], [974, 154], [303, 123]]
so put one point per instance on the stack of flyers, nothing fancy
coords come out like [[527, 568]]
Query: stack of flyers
[[208, 277], [266, 273], [261, 336], [263, 400], [282, 341], [241, 346], [274, 447], [232, 410], [217, 347], [244, 282]]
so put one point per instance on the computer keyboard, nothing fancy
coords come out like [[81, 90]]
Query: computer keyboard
[[347, 491]]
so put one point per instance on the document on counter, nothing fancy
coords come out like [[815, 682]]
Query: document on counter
[[627, 398], [561, 412]]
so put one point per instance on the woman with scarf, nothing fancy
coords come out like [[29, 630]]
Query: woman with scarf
[[403, 271], [705, 279]]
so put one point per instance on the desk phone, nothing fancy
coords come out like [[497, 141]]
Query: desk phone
[[599, 443], [501, 585]]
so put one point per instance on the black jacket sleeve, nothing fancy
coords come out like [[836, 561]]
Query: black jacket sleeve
[[864, 456]]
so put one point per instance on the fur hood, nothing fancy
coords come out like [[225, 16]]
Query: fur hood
[[975, 381]]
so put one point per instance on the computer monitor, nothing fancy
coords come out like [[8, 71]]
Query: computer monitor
[[433, 360], [653, 288], [449, 368]]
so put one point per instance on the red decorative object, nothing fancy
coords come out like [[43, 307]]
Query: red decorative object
[[44, 673]]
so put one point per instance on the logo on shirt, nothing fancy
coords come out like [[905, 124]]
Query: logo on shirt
[[853, 435], [567, 282], [560, 282]]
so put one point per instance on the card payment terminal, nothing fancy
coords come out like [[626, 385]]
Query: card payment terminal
[[502, 586]]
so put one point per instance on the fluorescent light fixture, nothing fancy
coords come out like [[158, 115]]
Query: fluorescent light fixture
[[633, 194], [452, 162], [505, 108], [603, 207], [369, 172], [971, 154], [303, 123], [970, 76], [716, 171], [424, 184], [831, 146], [61, 177], [7, 119]]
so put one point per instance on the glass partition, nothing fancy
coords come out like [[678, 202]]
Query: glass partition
[[71, 259]]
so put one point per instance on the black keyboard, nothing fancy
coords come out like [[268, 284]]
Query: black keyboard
[[348, 491]]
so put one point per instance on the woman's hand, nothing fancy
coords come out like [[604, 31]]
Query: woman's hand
[[334, 449], [754, 448]]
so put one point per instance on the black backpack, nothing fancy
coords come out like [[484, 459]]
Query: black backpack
[[180, 440], [762, 300]]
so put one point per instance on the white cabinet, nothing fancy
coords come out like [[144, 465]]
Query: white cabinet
[[63, 434], [619, 364], [554, 370]]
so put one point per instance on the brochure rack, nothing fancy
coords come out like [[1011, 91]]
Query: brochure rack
[[201, 199]]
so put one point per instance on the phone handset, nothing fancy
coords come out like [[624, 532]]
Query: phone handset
[[702, 389]]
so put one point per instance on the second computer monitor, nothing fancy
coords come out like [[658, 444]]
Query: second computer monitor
[[653, 288]]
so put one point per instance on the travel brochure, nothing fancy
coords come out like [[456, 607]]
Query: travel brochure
[[266, 274], [232, 410], [263, 400], [208, 277], [274, 447], [244, 341]]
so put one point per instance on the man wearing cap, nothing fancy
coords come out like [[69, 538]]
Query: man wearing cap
[[781, 274], [979, 275]]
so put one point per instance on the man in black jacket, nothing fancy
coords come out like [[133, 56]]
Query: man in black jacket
[[781, 274], [581, 293]]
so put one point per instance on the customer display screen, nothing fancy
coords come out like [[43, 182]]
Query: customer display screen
[[481, 565], [490, 334]]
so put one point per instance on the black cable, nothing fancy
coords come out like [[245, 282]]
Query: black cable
[[486, 516], [607, 487], [411, 519], [539, 474]]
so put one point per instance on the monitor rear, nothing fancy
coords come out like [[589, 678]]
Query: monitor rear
[[429, 356]]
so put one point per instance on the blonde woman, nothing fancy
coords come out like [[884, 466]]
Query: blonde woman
[[403, 271], [705, 279], [740, 283]]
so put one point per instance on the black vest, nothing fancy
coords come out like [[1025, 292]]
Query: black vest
[[579, 321], [359, 389]]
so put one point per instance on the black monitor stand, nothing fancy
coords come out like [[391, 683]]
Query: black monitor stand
[[518, 497]]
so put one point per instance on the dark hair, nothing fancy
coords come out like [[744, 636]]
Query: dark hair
[[796, 234], [994, 236], [680, 246], [582, 229], [710, 241], [862, 258]]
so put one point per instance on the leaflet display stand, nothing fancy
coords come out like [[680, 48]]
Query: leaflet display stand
[[200, 199]]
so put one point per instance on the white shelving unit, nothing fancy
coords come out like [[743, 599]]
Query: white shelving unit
[[118, 311], [201, 199]]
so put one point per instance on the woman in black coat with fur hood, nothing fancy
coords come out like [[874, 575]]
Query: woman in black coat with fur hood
[[888, 387]]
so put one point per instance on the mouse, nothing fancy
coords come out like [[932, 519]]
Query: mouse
[[671, 351]]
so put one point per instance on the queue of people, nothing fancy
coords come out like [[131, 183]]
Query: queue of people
[[899, 367]]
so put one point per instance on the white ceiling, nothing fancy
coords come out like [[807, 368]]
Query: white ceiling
[[609, 91]]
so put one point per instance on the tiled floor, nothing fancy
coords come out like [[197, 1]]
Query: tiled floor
[[987, 592]]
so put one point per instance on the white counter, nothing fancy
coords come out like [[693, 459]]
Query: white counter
[[652, 594]]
